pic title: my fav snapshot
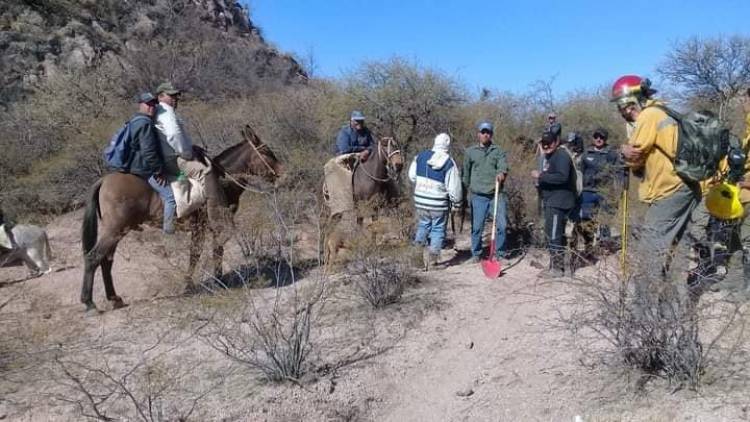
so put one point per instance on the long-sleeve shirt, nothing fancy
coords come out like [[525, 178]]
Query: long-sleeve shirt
[[174, 140], [655, 136], [557, 181], [602, 169], [481, 166], [435, 183], [351, 140]]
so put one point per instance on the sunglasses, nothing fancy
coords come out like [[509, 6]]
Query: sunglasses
[[485, 132]]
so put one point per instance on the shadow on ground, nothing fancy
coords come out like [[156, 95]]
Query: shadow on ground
[[265, 273]]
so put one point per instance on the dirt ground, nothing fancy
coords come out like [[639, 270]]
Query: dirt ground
[[457, 347]]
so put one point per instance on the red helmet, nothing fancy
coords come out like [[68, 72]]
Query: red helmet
[[631, 89]]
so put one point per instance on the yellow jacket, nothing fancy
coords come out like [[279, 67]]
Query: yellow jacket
[[655, 135], [745, 193]]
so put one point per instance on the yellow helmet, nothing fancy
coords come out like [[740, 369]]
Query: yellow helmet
[[723, 201]]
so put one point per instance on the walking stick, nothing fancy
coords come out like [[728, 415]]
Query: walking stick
[[624, 230]]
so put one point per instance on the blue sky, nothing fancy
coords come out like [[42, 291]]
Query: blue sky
[[500, 45]]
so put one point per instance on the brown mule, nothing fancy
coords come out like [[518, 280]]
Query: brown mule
[[122, 202], [372, 180], [376, 175]]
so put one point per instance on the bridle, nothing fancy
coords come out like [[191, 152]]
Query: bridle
[[262, 159], [392, 174]]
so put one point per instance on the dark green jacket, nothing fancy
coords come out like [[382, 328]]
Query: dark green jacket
[[481, 166]]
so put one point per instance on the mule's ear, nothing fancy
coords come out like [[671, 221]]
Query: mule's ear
[[249, 134]]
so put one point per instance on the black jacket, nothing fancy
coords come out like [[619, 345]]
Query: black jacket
[[557, 182], [145, 158], [601, 168]]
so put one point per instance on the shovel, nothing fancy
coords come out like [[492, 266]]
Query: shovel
[[491, 266]]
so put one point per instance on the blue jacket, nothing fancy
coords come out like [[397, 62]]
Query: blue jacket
[[350, 140]]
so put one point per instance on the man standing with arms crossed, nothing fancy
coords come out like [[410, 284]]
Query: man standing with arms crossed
[[485, 164]]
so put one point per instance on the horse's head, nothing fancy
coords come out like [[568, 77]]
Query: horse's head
[[263, 162], [394, 159]]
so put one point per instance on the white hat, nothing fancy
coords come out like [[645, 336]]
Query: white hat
[[442, 143]]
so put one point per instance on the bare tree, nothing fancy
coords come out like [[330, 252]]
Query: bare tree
[[712, 72]]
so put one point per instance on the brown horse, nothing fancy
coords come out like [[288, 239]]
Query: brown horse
[[122, 202]]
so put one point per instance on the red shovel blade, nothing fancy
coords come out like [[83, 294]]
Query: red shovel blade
[[491, 266]]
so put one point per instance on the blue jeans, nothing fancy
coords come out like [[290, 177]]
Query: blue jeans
[[432, 224], [170, 206], [481, 207]]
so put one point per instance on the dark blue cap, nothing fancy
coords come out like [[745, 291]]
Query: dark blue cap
[[146, 97]]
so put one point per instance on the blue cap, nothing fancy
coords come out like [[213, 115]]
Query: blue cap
[[485, 125], [357, 115], [146, 97]]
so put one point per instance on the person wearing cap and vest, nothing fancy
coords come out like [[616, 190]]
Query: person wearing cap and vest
[[181, 156], [485, 164], [437, 186]]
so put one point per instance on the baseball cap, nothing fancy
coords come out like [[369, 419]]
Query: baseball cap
[[603, 133], [485, 125], [357, 115], [548, 138], [167, 88], [145, 97]]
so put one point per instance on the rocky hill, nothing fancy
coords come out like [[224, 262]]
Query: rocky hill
[[41, 37]]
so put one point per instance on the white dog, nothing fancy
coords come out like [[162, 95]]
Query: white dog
[[30, 244]]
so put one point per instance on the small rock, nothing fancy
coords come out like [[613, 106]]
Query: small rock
[[47, 316], [470, 345], [466, 392]]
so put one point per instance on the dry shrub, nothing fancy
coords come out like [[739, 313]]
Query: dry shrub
[[271, 337], [658, 328], [152, 388], [381, 272]]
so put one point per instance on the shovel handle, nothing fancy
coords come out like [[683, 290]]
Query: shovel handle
[[494, 211]]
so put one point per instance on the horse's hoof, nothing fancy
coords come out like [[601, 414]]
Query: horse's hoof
[[118, 304]]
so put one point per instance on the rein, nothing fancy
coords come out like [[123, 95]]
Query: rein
[[257, 151], [387, 159]]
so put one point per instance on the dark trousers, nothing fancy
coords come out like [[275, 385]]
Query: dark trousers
[[554, 230]]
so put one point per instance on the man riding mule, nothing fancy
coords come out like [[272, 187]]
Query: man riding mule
[[182, 157], [361, 170], [121, 202]]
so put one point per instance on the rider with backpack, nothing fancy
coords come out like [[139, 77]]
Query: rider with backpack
[[134, 149]]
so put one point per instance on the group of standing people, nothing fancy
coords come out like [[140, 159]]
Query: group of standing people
[[675, 206]]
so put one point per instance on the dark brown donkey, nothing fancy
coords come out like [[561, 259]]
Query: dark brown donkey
[[122, 202]]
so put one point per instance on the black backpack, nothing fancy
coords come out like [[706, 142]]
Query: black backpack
[[702, 142]]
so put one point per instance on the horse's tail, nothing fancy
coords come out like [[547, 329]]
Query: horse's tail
[[90, 225]]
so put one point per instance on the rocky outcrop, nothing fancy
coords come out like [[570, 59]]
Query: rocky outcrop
[[39, 37]]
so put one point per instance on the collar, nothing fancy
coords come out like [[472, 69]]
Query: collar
[[166, 106]]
